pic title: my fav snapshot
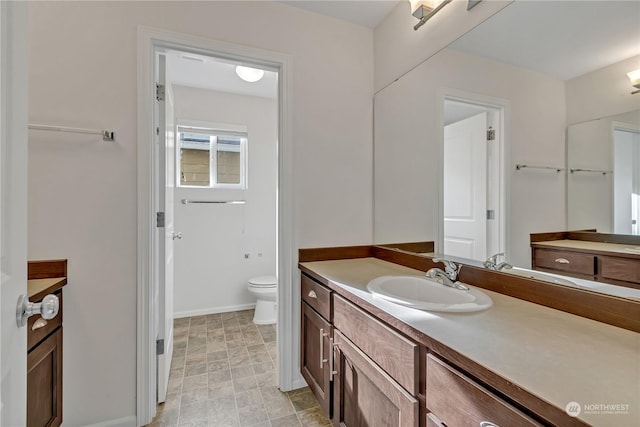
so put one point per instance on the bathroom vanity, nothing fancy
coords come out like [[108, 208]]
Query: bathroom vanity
[[518, 363], [601, 257], [44, 346]]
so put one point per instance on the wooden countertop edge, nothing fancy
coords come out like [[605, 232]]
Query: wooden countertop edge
[[617, 254], [58, 283], [517, 396]]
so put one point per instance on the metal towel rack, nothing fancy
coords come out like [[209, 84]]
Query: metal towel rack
[[603, 172], [521, 166], [222, 202], [107, 135]]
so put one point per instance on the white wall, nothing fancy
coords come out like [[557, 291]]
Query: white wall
[[211, 271], [82, 197], [601, 93], [407, 149], [399, 48]]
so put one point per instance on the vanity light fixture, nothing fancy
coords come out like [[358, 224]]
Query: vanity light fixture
[[634, 76], [249, 74], [425, 9]]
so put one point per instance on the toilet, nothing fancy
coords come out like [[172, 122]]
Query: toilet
[[265, 289]]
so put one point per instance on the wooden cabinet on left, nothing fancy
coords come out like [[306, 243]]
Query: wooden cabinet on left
[[44, 346], [44, 382]]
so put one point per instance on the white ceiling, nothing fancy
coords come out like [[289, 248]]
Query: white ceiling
[[564, 39], [217, 74], [367, 13]]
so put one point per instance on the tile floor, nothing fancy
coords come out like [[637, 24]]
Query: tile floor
[[223, 374]]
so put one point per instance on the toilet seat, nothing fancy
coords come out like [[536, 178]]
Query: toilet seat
[[263, 282]]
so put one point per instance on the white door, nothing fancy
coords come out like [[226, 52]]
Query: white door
[[13, 214], [165, 184], [465, 188]]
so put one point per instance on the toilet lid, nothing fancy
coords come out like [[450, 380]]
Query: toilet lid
[[263, 281]]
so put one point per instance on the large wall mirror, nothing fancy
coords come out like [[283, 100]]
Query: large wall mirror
[[533, 78]]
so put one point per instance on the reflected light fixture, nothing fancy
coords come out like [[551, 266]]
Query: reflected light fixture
[[634, 76], [425, 9], [249, 74]]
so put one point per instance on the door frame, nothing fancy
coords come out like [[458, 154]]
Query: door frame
[[624, 127], [502, 129], [149, 41]]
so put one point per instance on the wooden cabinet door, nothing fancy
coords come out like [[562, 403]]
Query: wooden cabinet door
[[315, 334], [364, 394], [44, 382]]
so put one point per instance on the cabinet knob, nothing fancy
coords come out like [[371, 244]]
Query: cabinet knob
[[488, 424], [562, 261], [48, 308], [312, 294], [40, 323]]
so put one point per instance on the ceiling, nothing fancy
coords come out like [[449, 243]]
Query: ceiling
[[365, 12], [564, 39], [216, 74]]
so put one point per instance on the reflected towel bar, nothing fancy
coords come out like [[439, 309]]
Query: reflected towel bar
[[603, 172], [223, 202], [107, 135], [520, 166]]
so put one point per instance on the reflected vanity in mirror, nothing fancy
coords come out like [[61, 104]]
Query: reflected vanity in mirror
[[540, 91]]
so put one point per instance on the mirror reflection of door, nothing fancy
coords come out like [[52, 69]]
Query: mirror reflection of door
[[471, 180], [626, 181]]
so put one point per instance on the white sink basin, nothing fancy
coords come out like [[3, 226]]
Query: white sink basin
[[427, 294], [532, 274]]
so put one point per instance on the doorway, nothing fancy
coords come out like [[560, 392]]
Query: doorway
[[219, 203], [152, 45], [472, 197]]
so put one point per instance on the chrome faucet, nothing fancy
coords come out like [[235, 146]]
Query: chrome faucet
[[448, 276], [490, 263]]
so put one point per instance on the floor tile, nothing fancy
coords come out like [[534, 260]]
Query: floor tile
[[224, 374], [288, 421]]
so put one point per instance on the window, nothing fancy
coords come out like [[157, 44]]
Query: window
[[212, 158]]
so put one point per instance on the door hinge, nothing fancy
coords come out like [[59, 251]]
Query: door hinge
[[160, 92], [159, 219], [491, 134], [160, 347], [158, 131], [491, 214]]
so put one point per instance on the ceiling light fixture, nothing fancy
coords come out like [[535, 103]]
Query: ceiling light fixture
[[425, 9], [634, 76], [249, 74]]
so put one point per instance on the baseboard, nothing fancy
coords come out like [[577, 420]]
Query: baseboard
[[298, 383], [215, 310], [119, 422]]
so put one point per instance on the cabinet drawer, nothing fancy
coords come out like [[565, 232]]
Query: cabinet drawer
[[37, 335], [317, 296], [620, 268], [397, 355], [458, 401], [565, 261]]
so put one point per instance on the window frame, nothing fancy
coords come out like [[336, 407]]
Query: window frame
[[214, 131]]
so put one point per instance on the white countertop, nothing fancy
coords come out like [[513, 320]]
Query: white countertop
[[592, 246], [558, 357]]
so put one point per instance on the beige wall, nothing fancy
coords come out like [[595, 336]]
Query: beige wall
[[82, 190]]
